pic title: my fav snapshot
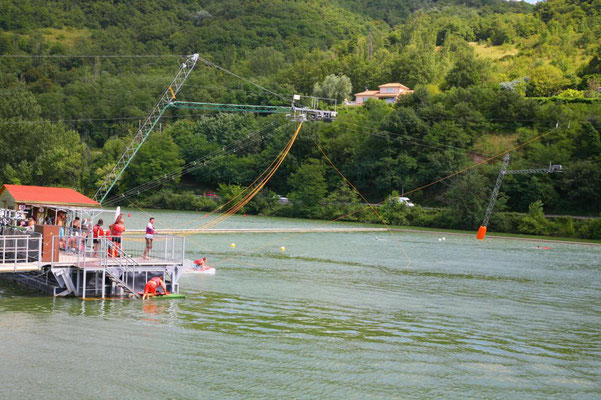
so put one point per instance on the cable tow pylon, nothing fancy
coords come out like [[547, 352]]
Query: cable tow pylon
[[493, 198], [147, 127]]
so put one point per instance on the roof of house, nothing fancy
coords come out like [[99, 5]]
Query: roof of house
[[368, 93], [48, 196], [396, 84]]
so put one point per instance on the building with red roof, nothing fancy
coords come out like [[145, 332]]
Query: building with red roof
[[14, 196], [389, 92]]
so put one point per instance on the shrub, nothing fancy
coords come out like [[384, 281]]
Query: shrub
[[535, 223]]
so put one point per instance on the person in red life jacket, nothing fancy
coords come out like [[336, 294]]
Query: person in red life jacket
[[151, 287], [116, 230], [97, 232], [149, 237], [201, 264]]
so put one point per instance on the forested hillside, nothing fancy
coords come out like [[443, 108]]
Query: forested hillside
[[76, 77]]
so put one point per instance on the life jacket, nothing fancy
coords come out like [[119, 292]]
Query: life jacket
[[155, 282], [97, 231], [117, 229]]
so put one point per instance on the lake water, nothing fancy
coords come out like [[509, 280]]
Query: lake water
[[335, 315]]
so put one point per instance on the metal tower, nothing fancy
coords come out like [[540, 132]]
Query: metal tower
[[493, 198], [146, 128]]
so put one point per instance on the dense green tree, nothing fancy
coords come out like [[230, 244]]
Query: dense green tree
[[467, 71], [334, 87], [157, 157], [467, 199], [308, 187], [535, 223], [546, 80]]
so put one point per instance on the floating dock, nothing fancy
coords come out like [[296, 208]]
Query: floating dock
[[76, 266]]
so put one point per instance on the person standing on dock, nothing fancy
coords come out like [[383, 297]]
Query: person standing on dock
[[97, 232], [151, 287], [116, 230], [150, 231]]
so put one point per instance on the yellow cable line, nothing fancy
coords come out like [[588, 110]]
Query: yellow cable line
[[414, 190], [411, 191], [253, 192]]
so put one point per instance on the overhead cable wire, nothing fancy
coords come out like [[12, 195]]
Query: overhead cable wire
[[257, 188], [345, 216], [282, 154], [193, 166], [349, 183], [92, 55], [56, 121], [212, 64], [196, 164]]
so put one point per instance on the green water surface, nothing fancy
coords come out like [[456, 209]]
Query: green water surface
[[336, 315]]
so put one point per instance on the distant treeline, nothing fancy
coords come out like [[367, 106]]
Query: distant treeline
[[455, 54]]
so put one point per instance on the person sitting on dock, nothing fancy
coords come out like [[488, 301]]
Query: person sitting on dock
[[149, 237], [31, 225], [151, 287]]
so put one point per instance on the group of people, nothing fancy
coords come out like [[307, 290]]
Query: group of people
[[116, 230], [114, 233], [73, 236]]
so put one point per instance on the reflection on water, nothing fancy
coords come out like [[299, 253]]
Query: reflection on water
[[335, 316]]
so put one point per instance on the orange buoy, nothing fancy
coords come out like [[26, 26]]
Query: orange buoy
[[481, 233]]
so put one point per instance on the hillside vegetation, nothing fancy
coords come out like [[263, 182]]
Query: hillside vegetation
[[77, 76]]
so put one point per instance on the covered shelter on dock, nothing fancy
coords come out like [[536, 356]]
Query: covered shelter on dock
[[42, 202], [55, 255]]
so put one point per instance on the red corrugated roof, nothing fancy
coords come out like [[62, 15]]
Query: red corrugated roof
[[48, 196], [367, 93], [395, 84]]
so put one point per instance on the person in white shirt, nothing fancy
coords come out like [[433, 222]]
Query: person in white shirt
[[149, 237]]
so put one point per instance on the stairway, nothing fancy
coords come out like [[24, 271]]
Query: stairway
[[126, 264], [114, 275]]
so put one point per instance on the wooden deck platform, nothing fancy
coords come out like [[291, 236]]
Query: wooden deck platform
[[71, 260], [91, 263]]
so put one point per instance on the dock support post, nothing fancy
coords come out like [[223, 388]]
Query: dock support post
[[77, 283], [103, 282]]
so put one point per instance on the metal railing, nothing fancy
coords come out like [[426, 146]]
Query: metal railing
[[75, 243], [122, 264], [18, 248], [164, 247]]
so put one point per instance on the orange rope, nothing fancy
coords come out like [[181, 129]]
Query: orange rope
[[479, 163], [411, 191], [253, 192]]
